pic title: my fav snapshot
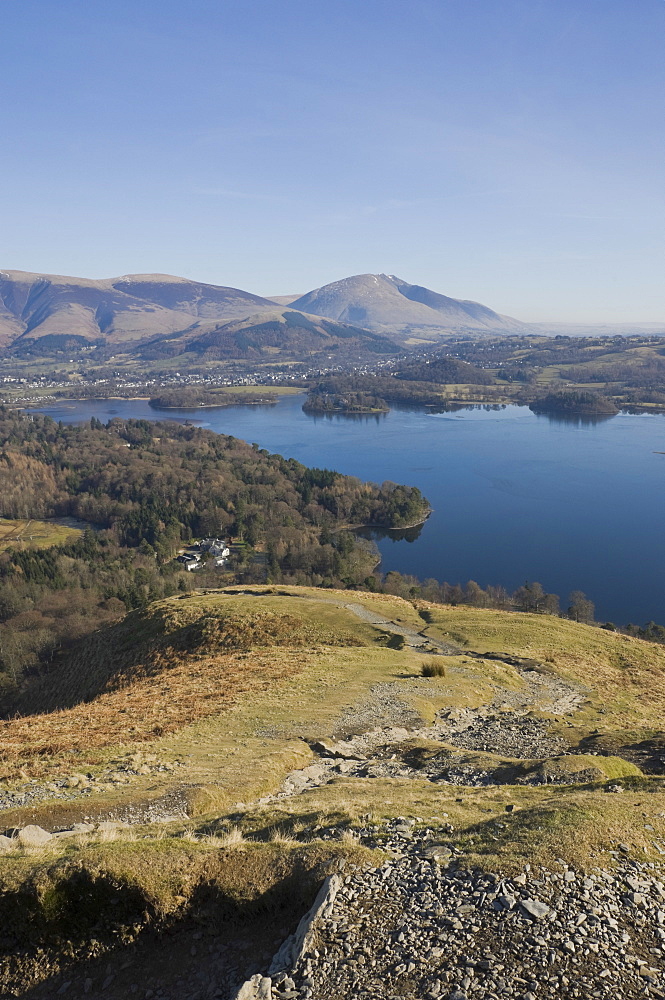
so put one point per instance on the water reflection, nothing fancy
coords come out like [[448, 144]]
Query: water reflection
[[576, 419], [394, 534], [336, 415]]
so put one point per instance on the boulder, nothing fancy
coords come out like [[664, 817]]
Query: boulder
[[257, 988], [33, 836], [534, 908], [6, 844]]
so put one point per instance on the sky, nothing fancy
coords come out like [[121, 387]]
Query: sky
[[506, 151]]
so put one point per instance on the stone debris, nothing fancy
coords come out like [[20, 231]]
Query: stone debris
[[415, 929], [80, 786]]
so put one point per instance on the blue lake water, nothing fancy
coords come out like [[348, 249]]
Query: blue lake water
[[575, 505]]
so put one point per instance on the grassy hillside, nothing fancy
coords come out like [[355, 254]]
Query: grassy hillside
[[265, 727], [236, 686]]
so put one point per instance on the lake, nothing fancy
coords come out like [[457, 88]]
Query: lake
[[574, 504]]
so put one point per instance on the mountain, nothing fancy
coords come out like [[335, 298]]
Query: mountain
[[41, 313], [387, 303], [75, 311], [281, 331]]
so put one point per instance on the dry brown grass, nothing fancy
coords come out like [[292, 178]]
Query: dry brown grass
[[151, 674], [144, 709]]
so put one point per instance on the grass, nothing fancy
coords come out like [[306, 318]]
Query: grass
[[95, 899], [35, 534], [235, 686], [157, 672], [625, 677], [578, 824], [433, 669]]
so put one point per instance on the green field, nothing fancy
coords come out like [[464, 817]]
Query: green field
[[37, 534]]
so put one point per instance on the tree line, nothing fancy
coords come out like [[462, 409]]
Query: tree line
[[531, 597]]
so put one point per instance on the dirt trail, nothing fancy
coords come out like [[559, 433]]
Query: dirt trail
[[372, 735]]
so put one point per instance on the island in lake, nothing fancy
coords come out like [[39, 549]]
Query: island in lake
[[188, 396], [349, 402], [574, 401]]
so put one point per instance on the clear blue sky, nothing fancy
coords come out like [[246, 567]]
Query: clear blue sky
[[508, 151]]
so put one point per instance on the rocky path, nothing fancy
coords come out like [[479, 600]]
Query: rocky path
[[506, 727], [418, 930], [412, 638]]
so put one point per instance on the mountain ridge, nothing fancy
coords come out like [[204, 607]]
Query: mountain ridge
[[288, 331], [127, 308], [60, 312]]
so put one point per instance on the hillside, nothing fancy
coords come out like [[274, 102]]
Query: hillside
[[112, 310], [250, 743], [387, 303], [444, 370], [284, 333]]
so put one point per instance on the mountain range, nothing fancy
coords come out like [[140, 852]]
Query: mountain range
[[43, 313]]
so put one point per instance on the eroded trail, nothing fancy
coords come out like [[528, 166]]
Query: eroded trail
[[381, 734]]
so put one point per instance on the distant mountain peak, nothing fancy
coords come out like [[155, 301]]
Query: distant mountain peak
[[137, 308], [388, 303]]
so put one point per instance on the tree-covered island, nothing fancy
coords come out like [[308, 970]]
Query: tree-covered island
[[190, 396], [574, 402], [349, 402]]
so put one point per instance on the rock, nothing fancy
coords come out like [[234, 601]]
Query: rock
[[6, 844], [336, 750], [300, 942], [504, 902], [33, 836], [438, 853], [77, 781], [534, 908], [249, 989], [345, 766]]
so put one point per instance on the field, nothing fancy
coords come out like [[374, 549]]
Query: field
[[37, 534]]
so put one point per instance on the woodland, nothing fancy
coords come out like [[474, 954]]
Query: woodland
[[146, 490]]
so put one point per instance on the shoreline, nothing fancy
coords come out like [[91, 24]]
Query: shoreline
[[217, 406], [383, 527]]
